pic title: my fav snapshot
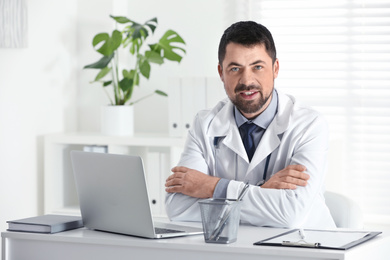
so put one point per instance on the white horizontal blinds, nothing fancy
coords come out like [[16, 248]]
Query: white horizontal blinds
[[335, 56]]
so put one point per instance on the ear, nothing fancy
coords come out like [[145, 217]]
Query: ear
[[276, 68], [220, 72]]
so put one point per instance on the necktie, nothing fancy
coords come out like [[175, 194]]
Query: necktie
[[247, 138]]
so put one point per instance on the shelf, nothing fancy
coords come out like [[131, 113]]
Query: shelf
[[159, 153], [154, 140]]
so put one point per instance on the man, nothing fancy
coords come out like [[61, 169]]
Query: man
[[258, 135]]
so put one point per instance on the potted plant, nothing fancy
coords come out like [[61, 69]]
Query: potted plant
[[122, 81]]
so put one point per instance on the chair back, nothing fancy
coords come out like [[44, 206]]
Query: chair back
[[345, 212]]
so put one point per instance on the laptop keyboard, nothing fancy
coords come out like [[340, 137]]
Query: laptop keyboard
[[166, 230]]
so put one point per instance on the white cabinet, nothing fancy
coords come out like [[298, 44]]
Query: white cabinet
[[159, 153]]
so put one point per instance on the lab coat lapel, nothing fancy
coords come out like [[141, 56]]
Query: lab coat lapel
[[233, 141], [272, 136], [269, 142], [224, 125]]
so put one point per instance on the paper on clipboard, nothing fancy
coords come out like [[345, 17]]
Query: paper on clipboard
[[332, 239]]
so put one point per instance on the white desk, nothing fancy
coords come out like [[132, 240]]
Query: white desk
[[88, 244]]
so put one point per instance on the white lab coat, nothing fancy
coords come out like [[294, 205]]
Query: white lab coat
[[297, 135]]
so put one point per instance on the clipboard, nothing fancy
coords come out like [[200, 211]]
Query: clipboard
[[322, 239]]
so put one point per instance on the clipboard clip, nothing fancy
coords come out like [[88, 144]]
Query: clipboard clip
[[302, 243]]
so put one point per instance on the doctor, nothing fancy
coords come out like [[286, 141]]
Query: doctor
[[258, 135]]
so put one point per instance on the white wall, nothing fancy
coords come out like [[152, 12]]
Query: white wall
[[44, 90], [37, 93]]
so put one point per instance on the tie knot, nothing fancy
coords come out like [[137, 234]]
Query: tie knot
[[248, 128]]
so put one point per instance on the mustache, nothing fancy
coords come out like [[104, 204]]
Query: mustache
[[243, 87]]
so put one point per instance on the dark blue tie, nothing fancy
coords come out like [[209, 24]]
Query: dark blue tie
[[247, 138]]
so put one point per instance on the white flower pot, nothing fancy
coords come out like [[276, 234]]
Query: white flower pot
[[117, 120]]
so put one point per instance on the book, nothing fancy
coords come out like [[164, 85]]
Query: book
[[45, 224]]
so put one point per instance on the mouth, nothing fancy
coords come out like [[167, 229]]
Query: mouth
[[248, 94]]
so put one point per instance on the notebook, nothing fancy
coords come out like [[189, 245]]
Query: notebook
[[113, 196]]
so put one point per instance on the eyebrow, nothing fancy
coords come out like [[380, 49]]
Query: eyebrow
[[257, 62], [253, 63]]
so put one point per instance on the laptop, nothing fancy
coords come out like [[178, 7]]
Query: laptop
[[113, 196]]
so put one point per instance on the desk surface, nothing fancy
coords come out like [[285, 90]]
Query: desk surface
[[84, 244]]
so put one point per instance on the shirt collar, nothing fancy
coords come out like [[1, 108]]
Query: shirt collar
[[265, 118]]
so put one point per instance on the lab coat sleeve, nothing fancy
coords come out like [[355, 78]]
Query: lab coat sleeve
[[292, 208], [181, 207]]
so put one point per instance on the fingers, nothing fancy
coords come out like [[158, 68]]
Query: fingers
[[178, 173], [295, 168], [179, 169], [289, 178], [173, 189], [174, 183], [294, 171], [190, 182]]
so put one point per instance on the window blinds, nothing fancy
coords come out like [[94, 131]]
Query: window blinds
[[335, 57]]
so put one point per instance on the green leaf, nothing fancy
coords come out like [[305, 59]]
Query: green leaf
[[131, 75], [140, 30], [104, 48], [99, 38], [116, 39], [136, 78], [154, 57], [126, 74], [121, 19], [102, 73], [161, 93], [100, 64], [136, 29], [108, 44], [152, 24], [135, 45], [125, 84], [144, 68], [136, 33], [107, 83], [165, 48]]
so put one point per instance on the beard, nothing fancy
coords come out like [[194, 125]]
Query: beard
[[249, 106]]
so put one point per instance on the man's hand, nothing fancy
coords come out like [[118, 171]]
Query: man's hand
[[288, 178], [191, 182]]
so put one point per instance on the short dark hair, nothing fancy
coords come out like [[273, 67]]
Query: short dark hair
[[247, 33]]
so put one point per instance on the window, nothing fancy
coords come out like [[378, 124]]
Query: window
[[335, 57]]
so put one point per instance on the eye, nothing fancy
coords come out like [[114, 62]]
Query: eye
[[258, 67], [235, 69]]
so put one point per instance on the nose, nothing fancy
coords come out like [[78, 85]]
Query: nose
[[247, 77]]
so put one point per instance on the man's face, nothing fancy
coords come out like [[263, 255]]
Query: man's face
[[248, 76]]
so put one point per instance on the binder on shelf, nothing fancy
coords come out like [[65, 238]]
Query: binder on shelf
[[154, 181], [187, 96], [175, 111], [324, 239], [193, 99], [215, 91], [45, 224], [95, 148], [164, 174]]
